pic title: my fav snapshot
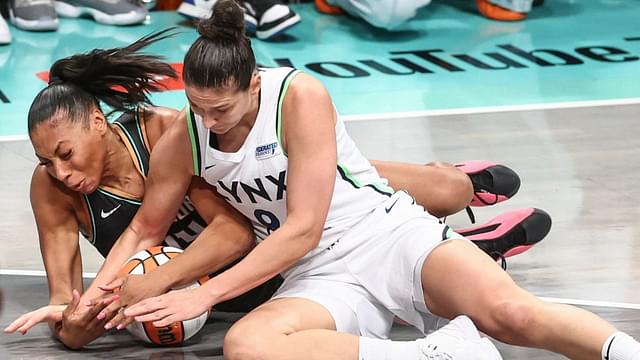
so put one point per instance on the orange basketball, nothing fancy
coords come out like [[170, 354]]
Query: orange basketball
[[177, 332]]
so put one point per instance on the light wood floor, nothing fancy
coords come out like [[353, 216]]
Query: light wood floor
[[580, 165]]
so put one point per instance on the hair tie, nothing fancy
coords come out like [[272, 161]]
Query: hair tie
[[54, 80]]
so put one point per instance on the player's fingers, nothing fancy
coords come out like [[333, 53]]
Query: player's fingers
[[107, 307], [115, 284], [127, 321], [17, 323], [145, 306], [75, 301]]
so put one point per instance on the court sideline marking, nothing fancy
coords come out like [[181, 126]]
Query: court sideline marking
[[593, 303], [456, 111]]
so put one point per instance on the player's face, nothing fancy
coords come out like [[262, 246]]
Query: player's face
[[72, 152], [223, 108]]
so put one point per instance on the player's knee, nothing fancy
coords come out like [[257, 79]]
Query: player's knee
[[460, 189], [455, 187], [512, 320], [243, 342]]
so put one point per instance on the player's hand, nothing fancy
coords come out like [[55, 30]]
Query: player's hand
[[79, 324], [29, 320], [173, 306], [131, 289]]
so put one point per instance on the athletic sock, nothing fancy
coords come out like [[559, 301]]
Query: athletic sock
[[379, 349], [620, 346]]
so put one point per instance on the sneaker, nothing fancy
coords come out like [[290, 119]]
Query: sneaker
[[492, 183], [511, 233], [275, 21], [5, 34], [495, 12], [109, 12], [201, 10], [196, 9], [250, 19], [458, 340], [33, 15]]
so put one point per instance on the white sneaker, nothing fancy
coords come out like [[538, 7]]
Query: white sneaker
[[276, 20], [5, 34], [196, 9], [458, 340]]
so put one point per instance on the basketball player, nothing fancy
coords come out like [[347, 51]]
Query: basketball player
[[92, 178], [353, 253]]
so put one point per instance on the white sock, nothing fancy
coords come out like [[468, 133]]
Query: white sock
[[620, 346], [379, 349]]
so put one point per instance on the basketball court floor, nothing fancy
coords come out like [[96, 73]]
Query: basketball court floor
[[570, 129]]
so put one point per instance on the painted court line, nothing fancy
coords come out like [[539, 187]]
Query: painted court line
[[594, 303], [491, 109], [457, 111], [13, 138], [41, 273]]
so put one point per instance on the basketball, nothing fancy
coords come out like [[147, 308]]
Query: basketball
[[177, 332]]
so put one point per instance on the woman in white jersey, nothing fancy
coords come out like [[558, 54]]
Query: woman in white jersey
[[353, 255], [61, 208]]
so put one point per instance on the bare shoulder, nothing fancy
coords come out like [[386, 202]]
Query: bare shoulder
[[304, 88], [307, 100], [47, 192], [158, 120]]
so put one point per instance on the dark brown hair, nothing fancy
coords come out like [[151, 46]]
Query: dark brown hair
[[121, 78], [222, 55]]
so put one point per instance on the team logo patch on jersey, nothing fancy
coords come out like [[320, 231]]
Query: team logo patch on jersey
[[267, 151]]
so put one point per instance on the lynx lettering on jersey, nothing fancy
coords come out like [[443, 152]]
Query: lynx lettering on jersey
[[270, 189]]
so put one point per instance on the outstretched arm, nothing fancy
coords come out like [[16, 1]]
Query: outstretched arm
[[309, 137], [227, 238], [169, 178], [53, 207]]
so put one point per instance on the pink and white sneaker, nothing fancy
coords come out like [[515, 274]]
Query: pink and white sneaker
[[511, 233], [492, 183]]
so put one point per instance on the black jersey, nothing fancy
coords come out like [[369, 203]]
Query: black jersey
[[110, 213]]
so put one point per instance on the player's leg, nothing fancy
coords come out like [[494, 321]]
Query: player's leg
[[458, 278], [440, 188]]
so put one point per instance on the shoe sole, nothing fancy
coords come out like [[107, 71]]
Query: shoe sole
[[70, 11], [33, 25], [535, 223], [278, 29]]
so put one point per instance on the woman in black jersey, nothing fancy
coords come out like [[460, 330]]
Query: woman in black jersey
[[91, 179]]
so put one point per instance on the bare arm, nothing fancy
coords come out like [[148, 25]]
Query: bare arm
[[53, 207], [58, 236], [309, 136], [227, 237], [170, 174]]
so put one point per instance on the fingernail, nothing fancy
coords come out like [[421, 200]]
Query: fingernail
[[108, 326], [87, 303], [120, 327], [101, 316]]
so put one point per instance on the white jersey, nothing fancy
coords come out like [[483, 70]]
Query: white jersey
[[254, 179]]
